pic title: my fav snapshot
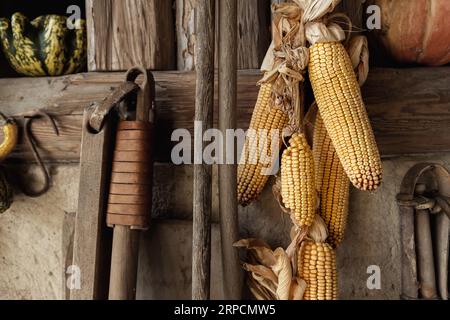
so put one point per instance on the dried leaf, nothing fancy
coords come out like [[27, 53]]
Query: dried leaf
[[250, 243], [298, 288], [358, 50], [261, 272], [316, 9], [283, 270], [258, 291], [319, 32], [292, 251], [318, 230], [259, 249], [267, 285]]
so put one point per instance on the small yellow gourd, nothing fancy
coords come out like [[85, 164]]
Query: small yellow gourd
[[10, 135]]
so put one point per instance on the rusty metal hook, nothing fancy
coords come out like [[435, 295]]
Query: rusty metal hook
[[32, 144]]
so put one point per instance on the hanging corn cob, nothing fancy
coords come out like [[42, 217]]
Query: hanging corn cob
[[332, 182], [279, 100], [338, 96], [340, 104], [297, 180], [251, 170], [317, 266]]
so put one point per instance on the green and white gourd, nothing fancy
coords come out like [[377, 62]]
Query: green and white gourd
[[44, 46]]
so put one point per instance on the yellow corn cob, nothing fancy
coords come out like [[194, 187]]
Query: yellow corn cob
[[297, 180], [332, 183], [340, 103], [317, 266], [10, 134], [251, 178]]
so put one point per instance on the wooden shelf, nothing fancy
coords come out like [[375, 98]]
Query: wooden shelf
[[409, 108]]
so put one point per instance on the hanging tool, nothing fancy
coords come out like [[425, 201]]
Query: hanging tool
[[92, 238], [130, 194], [31, 141], [425, 249]]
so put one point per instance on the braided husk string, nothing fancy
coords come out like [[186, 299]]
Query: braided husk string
[[286, 62]]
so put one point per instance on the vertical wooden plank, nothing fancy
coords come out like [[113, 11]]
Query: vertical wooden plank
[[253, 32], [204, 103], [92, 240], [124, 33], [185, 32], [228, 206]]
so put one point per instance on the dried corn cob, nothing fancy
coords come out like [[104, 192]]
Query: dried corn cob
[[317, 266], [251, 176], [341, 106], [332, 183], [297, 180]]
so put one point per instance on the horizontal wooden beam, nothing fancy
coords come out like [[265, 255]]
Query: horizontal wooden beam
[[409, 108]]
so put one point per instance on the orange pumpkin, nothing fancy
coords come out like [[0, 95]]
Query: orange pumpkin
[[416, 31]]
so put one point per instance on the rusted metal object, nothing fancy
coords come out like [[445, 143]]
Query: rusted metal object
[[424, 254], [31, 141]]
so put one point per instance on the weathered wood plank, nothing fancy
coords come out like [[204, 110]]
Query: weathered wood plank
[[204, 105], [409, 108], [253, 32], [185, 32], [92, 242], [229, 225], [115, 26]]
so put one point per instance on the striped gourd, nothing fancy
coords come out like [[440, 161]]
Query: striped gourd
[[332, 184], [252, 175], [340, 103], [297, 180], [317, 266], [43, 47]]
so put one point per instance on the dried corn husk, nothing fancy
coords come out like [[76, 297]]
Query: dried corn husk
[[270, 273]]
